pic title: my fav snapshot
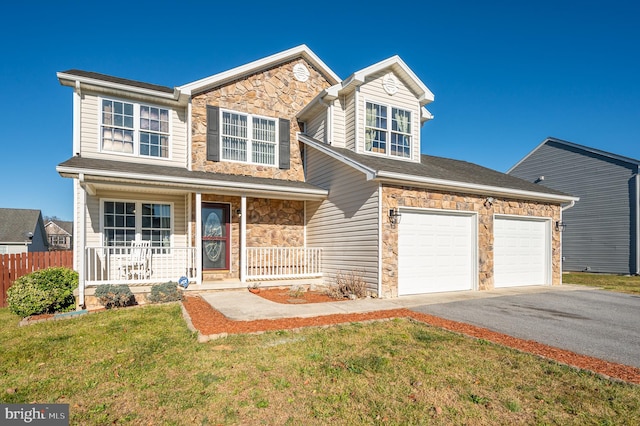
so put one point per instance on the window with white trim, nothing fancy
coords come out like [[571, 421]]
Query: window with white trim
[[387, 134], [126, 221], [248, 138], [133, 128]]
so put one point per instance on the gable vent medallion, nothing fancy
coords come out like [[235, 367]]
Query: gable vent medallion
[[300, 72], [390, 84]]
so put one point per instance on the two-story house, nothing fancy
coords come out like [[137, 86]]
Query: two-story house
[[279, 170], [59, 234]]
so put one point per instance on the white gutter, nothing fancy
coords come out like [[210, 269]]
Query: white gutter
[[174, 96], [209, 184], [475, 188]]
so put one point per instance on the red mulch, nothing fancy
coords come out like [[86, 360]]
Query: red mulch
[[208, 321]]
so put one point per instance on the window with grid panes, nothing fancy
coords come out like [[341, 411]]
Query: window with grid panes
[[133, 128]]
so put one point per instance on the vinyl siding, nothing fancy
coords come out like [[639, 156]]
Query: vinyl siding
[[600, 233], [338, 124], [90, 134], [345, 226], [316, 126], [373, 91], [349, 103]]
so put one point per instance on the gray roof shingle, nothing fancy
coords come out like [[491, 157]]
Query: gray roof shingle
[[445, 169], [16, 223], [112, 79]]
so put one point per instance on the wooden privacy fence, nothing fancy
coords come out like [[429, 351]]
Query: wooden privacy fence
[[13, 266]]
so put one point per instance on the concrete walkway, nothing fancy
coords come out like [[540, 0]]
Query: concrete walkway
[[241, 305]]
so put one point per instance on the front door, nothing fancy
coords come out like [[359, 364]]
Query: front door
[[215, 236]]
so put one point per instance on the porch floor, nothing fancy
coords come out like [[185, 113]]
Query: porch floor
[[235, 284]]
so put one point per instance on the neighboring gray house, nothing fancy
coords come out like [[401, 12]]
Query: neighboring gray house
[[22, 231], [601, 233]]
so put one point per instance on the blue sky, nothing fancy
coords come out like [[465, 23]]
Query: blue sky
[[505, 74]]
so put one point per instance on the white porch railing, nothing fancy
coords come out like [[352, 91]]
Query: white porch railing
[[264, 263], [126, 265]]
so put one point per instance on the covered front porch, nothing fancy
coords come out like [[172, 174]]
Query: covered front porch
[[155, 224], [146, 265]]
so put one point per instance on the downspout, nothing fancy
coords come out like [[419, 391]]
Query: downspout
[[562, 209], [189, 134], [329, 129], [638, 221], [77, 116], [380, 210]]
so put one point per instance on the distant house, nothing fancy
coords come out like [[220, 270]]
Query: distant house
[[22, 231], [59, 234], [602, 230]]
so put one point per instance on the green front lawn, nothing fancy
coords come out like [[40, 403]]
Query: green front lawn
[[621, 283], [143, 366]]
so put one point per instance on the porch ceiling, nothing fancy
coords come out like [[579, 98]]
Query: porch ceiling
[[107, 174]]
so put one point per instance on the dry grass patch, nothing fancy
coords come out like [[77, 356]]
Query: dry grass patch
[[621, 283], [142, 366]]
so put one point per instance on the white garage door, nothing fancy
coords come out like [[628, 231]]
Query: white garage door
[[521, 252], [436, 252]]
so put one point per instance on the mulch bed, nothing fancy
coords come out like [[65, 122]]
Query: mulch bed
[[212, 323]]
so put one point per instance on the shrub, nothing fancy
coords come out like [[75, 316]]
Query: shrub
[[114, 295], [166, 292], [348, 285], [41, 292]]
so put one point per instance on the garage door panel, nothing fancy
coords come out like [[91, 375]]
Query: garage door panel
[[521, 248], [436, 252]]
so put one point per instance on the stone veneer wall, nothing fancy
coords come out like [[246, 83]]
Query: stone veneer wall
[[270, 223], [394, 196], [272, 93]]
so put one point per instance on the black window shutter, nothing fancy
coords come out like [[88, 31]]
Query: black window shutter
[[284, 143], [213, 133]]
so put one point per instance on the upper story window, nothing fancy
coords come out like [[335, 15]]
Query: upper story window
[[248, 138], [388, 134], [133, 128]]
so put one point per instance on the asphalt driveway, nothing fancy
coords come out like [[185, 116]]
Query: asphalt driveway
[[596, 323]]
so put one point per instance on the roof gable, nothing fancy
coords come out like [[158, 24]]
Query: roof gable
[[301, 51], [397, 65], [64, 226], [575, 146], [394, 64]]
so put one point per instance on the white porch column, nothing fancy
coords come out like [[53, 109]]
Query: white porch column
[[80, 232], [199, 237], [243, 239]]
